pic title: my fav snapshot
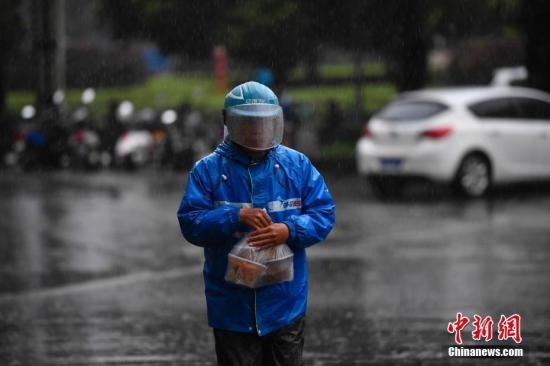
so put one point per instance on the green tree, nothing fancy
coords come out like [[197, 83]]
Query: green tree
[[353, 26], [457, 20], [270, 33], [190, 28], [406, 45], [391, 28], [11, 32], [535, 15]]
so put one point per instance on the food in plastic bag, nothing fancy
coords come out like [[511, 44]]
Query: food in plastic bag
[[280, 265], [243, 271], [254, 267]]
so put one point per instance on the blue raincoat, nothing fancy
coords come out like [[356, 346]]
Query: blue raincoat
[[292, 191]]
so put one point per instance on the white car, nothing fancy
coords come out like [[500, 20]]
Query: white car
[[472, 137]]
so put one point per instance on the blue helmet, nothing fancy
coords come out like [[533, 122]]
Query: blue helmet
[[254, 118], [250, 93]]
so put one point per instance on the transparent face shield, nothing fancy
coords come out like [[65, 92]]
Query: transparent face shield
[[255, 126]]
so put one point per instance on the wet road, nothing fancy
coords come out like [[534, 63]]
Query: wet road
[[93, 271]]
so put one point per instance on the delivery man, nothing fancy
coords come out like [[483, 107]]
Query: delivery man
[[253, 185]]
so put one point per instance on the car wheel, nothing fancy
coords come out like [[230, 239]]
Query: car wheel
[[473, 177]]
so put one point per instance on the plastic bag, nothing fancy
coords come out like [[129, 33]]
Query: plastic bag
[[252, 267]]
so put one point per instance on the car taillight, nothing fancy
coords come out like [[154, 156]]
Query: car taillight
[[437, 133], [366, 132]]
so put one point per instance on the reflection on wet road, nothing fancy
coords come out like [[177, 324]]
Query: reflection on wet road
[[93, 270]]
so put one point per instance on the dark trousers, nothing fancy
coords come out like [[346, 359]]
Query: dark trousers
[[280, 348]]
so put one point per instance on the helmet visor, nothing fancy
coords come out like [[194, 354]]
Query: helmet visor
[[255, 126]]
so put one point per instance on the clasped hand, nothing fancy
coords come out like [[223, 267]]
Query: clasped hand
[[266, 234]]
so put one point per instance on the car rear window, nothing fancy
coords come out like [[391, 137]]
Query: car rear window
[[512, 108], [533, 108], [409, 110], [496, 108]]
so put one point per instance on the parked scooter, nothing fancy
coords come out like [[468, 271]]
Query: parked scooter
[[37, 143], [85, 147], [133, 148]]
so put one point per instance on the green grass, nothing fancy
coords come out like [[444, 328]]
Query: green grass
[[374, 95], [200, 92], [338, 150], [157, 92], [336, 71], [16, 100], [346, 70]]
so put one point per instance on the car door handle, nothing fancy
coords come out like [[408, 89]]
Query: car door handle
[[544, 135], [494, 134]]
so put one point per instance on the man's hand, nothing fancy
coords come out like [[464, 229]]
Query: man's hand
[[270, 236], [256, 218]]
